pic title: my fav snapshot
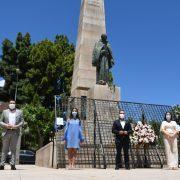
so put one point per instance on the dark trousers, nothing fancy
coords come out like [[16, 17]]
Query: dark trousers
[[122, 144]]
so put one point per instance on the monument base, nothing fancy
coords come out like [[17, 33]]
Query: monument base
[[104, 92]]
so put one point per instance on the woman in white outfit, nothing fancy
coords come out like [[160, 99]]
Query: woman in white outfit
[[170, 134]]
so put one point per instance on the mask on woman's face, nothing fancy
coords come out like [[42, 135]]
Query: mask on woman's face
[[74, 114], [12, 106], [168, 117]]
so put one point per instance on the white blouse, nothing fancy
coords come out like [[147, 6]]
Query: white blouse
[[171, 127]]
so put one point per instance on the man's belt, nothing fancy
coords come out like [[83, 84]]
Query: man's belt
[[10, 129]]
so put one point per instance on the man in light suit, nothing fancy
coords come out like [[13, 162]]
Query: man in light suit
[[11, 121]]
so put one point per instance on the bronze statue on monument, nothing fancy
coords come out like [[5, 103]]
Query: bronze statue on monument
[[103, 60]]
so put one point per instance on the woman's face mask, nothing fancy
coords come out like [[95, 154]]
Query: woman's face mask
[[74, 113], [168, 117]]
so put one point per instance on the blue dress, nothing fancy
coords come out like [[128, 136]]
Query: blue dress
[[73, 134]]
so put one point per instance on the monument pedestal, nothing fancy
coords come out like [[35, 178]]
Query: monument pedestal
[[104, 92]]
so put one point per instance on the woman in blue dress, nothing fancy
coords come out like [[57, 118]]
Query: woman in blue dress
[[73, 136]]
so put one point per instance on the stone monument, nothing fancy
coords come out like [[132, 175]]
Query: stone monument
[[90, 80], [85, 79]]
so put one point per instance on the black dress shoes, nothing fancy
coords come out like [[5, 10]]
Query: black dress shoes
[[127, 168], [13, 167], [1, 167], [118, 167]]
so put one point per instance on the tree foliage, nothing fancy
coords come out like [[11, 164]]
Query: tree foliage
[[39, 124], [13, 65], [51, 70], [40, 71], [176, 113]]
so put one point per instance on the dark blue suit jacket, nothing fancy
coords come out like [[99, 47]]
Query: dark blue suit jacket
[[117, 127]]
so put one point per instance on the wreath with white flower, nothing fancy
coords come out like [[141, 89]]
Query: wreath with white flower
[[142, 134]]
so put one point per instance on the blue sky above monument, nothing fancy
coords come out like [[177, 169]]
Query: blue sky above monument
[[144, 36]]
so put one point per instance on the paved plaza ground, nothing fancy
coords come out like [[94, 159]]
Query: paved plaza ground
[[28, 172]]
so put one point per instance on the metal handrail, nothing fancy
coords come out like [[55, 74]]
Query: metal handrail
[[100, 137]]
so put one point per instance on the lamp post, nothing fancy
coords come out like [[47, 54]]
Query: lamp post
[[17, 73], [19, 139]]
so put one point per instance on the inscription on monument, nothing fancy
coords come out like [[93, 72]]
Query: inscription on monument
[[94, 2]]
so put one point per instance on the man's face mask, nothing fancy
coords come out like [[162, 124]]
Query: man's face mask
[[122, 115], [12, 106]]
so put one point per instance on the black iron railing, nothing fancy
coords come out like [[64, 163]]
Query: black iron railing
[[97, 116]]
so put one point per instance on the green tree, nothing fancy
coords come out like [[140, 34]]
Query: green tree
[[14, 60], [39, 124], [51, 68], [176, 113], [23, 49], [8, 66]]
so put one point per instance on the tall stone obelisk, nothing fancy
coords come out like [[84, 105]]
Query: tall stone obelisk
[[91, 26]]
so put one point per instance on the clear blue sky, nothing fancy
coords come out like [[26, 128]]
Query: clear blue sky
[[144, 34]]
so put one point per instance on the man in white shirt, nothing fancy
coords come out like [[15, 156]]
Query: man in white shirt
[[12, 118], [122, 130], [11, 121]]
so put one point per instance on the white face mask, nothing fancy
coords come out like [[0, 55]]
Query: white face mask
[[12, 106], [121, 116], [74, 114], [168, 117]]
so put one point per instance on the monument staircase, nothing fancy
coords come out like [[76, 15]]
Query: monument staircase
[[98, 149]]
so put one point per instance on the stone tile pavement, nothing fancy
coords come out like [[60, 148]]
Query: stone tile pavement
[[28, 172]]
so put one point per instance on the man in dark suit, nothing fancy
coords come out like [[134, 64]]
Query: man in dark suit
[[122, 130]]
